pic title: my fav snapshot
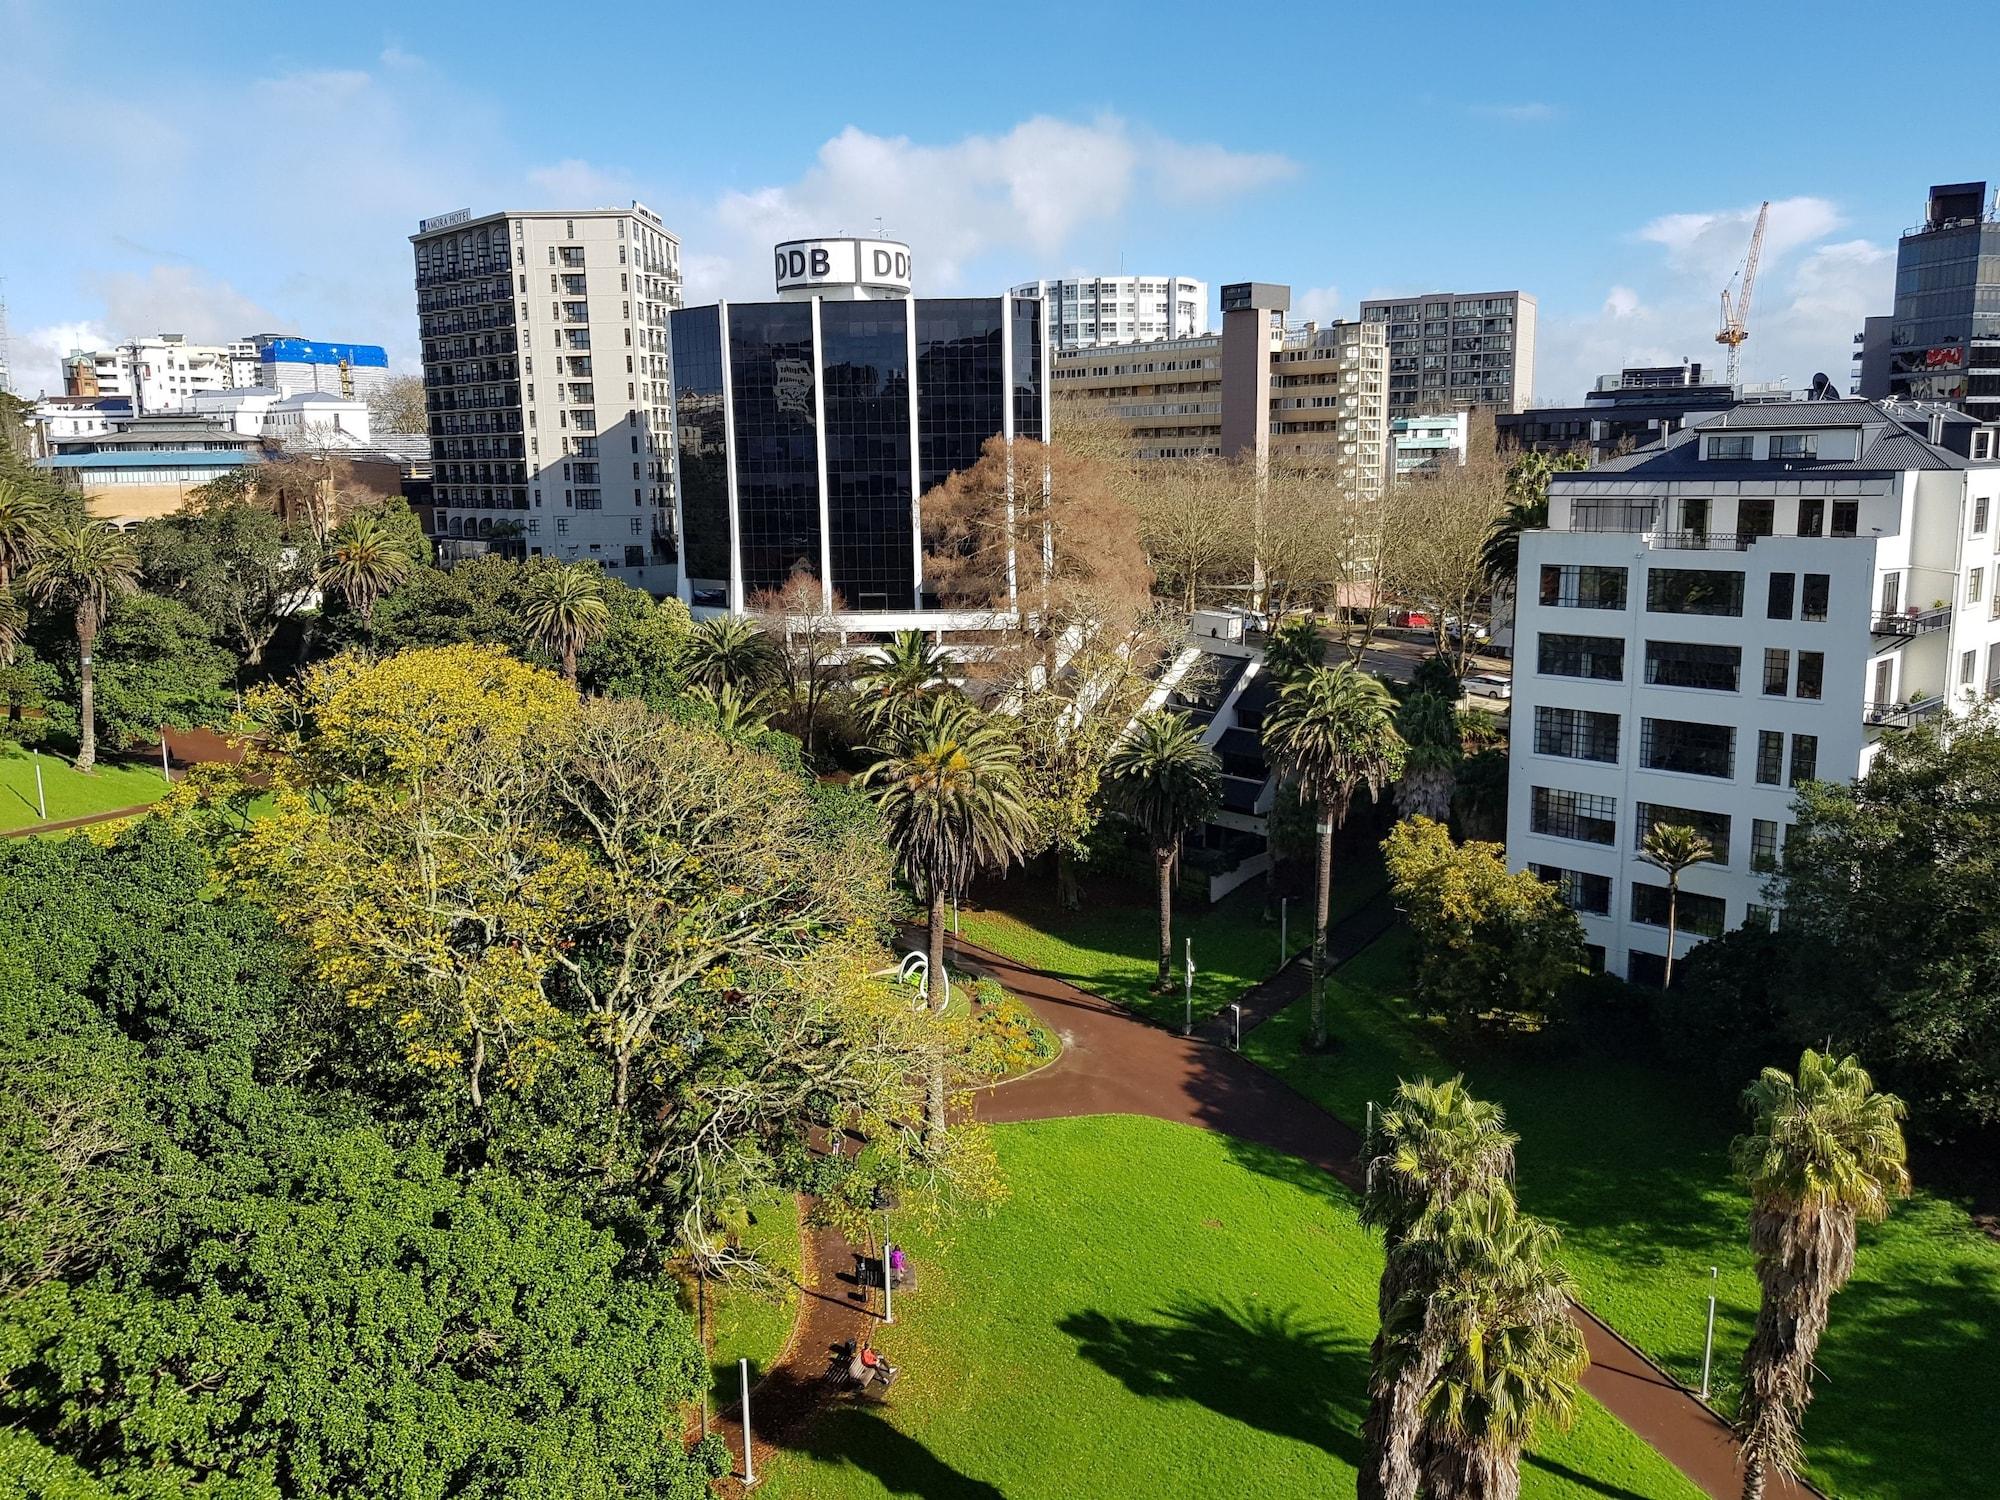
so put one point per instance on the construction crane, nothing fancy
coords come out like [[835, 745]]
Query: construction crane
[[1736, 319]]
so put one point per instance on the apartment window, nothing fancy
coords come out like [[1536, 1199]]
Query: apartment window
[[1712, 826], [1812, 516], [1734, 446], [1794, 445], [1777, 672], [1755, 517], [1812, 596], [1763, 845], [1693, 664], [1762, 918], [1582, 816], [1579, 889], [1695, 914], [1812, 673], [1968, 668], [1981, 505], [1688, 747], [1583, 586], [1770, 757], [1982, 446], [1778, 603], [1596, 656], [1846, 517], [1892, 593], [1975, 584], [1693, 591], [1805, 758], [562, 525], [1576, 734]]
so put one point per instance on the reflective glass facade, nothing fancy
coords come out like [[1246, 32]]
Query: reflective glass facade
[[703, 464], [960, 383], [865, 354], [1948, 297], [772, 402], [1029, 359]]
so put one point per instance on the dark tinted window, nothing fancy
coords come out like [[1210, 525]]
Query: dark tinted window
[[1779, 604], [777, 445], [1693, 664], [1583, 586], [865, 353], [1693, 591], [1812, 597], [1596, 656], [1704, 916], [1712, 826], [1027, 373], [1576, 733], [703, 466], [1678, 745]]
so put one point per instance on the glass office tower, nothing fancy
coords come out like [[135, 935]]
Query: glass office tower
[[1945, 335]]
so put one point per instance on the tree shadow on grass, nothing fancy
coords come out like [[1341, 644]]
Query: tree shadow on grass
[[1582, 1480], [863, 1436], [1267, 1367]]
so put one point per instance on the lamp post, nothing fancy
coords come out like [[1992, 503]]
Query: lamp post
[[1187, 1025], [749, 1464], [882, 1200], [1236, 1027], [1708, 1345], [41, 799], [1284, 946]]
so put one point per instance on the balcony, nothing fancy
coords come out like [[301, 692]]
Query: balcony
[[1705, 541], [1901, 715], [1912, 622]]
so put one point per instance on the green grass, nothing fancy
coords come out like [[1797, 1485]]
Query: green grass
[[1111, 946], [1631, 1162], [1208, 1337], [748, 1323], [71, 794]]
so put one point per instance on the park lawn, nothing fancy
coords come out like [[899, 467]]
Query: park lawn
[[71, 794], [1207, 1337], [1111, 946], [749, 1323], [1631, 1163]]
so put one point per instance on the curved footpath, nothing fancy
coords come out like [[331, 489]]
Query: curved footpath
[[1115, 1063]]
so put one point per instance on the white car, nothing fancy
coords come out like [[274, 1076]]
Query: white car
[[1489, 685]]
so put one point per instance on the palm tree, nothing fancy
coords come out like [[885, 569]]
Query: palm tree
[[1825, 1151], [1428, 724], [727, 651], [1673, 847], [24, 516], [1508, 1357], [83, 566], [366, 558], [1434, 1145], [1332, 731], [952, 804], [13, 625], [736, 713], [1167, 781], [900, 675], [564, 611], [1295, 647], [1527, 510]]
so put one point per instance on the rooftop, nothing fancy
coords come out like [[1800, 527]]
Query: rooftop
[[1889, 445], [154, 458]]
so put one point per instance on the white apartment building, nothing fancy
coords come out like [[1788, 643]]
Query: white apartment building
[[545, 350], [1756, 601], [1419, 443], [165, 371], [1095, 312]]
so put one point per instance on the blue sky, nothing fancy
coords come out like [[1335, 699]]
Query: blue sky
[[224, 170]]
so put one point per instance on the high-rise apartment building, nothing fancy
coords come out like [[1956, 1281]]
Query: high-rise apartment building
[[1452, 350], [549, 388], [1754, 602], [1306, 393], [160, 373], [1096, 312], [1944, 337]]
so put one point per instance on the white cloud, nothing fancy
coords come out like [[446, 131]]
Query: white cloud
[[1319, 304], [1713, 244], [37, 354], [1531, 112], [1202, 173], [1621, 302]]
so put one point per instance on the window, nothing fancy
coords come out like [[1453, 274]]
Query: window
[[1812, 596], [1778, 603], [1980, 506], [1777, 672], [1892, 593], [1601, 657], [1579, 889], [1755, 517], [1762, 918], [1574, 815], [1681, 745], [1693, 591], [1582, 586], [1695, 914], [1968, 668], [1812, 516], [1794, 445], [1770, 757], [1712, 826], [1805, 758], [1692, 664], [1734, 446], [1763, 844], [1576, 734], [1982, 447], [1812, 673], [1846, 517]]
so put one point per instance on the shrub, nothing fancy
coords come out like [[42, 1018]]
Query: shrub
[[1006, 1038]]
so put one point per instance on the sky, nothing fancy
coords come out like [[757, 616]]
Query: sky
[[225, 171]]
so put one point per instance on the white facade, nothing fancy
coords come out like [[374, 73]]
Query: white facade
[[1095, 312], [1755, 602], [166, 371], [288, 417], [546, 376], [1427, 442]]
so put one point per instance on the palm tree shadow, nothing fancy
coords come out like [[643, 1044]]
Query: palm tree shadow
[[862, 1436], [1580, 1479], [1267, 1367]]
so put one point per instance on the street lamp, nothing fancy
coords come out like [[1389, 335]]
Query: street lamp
[[883, 1199]]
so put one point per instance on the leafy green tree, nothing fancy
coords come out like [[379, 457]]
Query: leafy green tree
[[1672, 848], [1825, 1150], [1488, 941], [1480, 796], [1527, 490], [729, 651], [82, 566], [1167, 781], [366, 557], [952, 805], [1333, 732], [24, 517], [1296, 647], [155, 666], [1428, 725], [13, 625], [564, 611], [640, 653], [236, 565], [1434, 1145], [1436, 674]]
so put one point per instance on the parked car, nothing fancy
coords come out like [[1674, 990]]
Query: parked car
[[1489, 685]]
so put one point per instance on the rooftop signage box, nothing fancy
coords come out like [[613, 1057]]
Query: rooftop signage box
[[444, 221], [837, 266], [1242, 296]]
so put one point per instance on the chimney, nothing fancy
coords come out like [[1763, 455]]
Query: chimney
[[1937, 428]]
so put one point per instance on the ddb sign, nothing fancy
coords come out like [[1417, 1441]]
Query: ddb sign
[[833, 264]]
